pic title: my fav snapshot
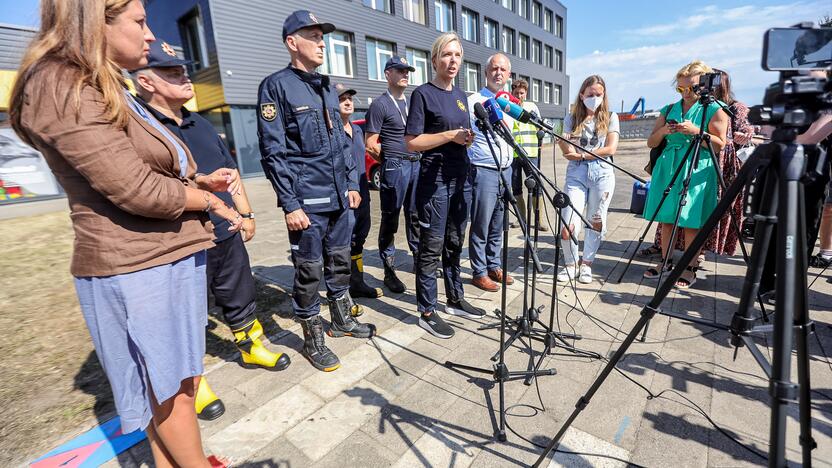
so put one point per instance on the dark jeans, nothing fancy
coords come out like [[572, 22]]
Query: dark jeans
[[230, 281], [443, 202], [321, 250], [399, 179]]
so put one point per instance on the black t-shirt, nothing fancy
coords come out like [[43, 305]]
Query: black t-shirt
[[387, 120], [435, 110]]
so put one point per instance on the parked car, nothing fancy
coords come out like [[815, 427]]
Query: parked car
[[373, 166]]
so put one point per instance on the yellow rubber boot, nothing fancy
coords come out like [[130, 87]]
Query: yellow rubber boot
[[207, 403], [254, 353]]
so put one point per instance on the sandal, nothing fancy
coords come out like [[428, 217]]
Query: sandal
[[687, 279], [650, 251], [653, 271]]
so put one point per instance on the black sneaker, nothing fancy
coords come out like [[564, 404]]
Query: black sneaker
[[462, 308], [434, 325]]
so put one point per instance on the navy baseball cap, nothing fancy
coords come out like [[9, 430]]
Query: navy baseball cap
[[342, 89], [398, 63], [304, 19], [162, 55]]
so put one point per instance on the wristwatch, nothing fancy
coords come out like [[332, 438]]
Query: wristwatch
[[249, 215]]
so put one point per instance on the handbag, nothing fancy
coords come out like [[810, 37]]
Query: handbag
[[654, 156]]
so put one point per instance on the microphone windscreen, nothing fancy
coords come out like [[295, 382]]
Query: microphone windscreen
[[508, 96], [480, 112], [494, 113], [513, 110]]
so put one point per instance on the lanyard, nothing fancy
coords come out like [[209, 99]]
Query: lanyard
[[396, 104]]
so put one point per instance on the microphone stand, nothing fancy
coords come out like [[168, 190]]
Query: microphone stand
[[499, 372]]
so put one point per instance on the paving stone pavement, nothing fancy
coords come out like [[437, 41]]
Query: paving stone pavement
[[395, 403]]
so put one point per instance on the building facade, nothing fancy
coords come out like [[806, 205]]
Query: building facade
[[234, 45]]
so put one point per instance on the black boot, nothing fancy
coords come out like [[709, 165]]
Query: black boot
[[358, 288], [343, 323], [314, 347], [392, 281]]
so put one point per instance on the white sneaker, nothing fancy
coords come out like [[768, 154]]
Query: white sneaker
[[585, 274], [566, 273]]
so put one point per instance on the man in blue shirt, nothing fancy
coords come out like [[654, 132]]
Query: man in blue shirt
[[487, 210], [306, 156], [361, 222], [386, 120], [163, 87]]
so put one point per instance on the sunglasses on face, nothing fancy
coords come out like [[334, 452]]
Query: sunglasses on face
[[684, 89]]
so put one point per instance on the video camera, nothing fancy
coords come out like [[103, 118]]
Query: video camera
[[708, 82], [793, 103]]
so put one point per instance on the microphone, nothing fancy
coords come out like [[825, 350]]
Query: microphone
[[482, 116], [508, 96], [495, 118], [521, 115]]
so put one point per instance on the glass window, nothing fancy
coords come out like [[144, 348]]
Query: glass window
[[559, 26], [472, 77], [382, 5], [470, 25], [523, 46], [536, 90], [378, 53], [507, 4], [338, 55], [556, 97], [508, 40], [415, 10], [193, 40], [444, 10], [547, 20], [547, 92], [547, 57], [558, 60], [491, 33], [523, 8], [419, 60], [536, 57], [536, 7]]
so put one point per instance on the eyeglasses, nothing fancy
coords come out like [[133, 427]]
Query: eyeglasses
[[684, 89]]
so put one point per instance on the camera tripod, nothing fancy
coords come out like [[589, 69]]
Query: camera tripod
[[780, 170], [692, 154]]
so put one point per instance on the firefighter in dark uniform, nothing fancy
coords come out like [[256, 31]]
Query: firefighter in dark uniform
[[306, 156], [361, 226], [164, 87]]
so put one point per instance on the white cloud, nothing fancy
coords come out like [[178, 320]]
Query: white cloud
[[730, 39]]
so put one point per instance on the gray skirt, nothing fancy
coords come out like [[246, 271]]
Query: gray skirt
[[148, 328]]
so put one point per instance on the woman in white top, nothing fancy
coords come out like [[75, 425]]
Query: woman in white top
[[589, 182]]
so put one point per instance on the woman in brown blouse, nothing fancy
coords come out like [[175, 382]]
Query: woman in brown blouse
[[138, 212]]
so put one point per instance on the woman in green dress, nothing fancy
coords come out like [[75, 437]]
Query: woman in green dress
[[678, 123]]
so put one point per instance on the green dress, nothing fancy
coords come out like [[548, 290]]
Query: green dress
[[701, 198]]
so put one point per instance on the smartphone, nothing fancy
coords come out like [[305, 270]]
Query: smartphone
[[672, 122]]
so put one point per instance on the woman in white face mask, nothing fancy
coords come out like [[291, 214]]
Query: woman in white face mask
[[589, 182]]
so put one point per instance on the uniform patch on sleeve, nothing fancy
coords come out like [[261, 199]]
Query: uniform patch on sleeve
[[268, 111]]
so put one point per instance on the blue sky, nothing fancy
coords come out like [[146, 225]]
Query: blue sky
[[637, 45]]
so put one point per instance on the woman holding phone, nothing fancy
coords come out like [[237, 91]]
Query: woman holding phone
[[678, 123], [439, 127]]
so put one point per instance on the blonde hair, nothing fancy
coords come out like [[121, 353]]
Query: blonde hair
[[72, 34], [580, 114], [441, 42], [697, 67]]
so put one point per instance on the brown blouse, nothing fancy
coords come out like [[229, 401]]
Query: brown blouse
[[125, 194]]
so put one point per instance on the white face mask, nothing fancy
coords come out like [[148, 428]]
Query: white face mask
[[593, 102]]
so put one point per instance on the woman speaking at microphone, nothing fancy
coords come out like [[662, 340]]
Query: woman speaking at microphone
[[438, 126], [590, 182]]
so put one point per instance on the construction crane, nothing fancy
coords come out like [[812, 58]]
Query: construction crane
[[632, 114]]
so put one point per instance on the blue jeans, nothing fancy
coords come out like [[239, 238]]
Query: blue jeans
[[397, 190], [487, 211], [590, 186], [443, 202]]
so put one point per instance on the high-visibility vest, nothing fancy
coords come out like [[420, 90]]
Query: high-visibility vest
[[525, 134]]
